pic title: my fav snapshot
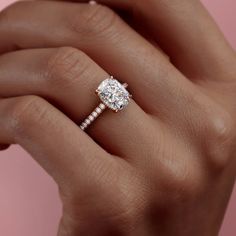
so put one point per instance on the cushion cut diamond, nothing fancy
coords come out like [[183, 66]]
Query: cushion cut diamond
[[113, 94]]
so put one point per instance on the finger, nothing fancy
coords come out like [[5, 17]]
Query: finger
[[190, 37], [101, 34], [55, 142], [69, 78], [157, 87], [187, 33]]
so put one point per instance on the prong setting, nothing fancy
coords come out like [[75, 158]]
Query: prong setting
[[113, 95], [125, 85]]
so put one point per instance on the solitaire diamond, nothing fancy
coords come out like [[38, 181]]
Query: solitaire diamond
[[113, 94]]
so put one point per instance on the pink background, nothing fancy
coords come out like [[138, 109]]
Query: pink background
[[29, 203]]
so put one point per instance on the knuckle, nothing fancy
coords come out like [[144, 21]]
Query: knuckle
[[183, 181], [97, 20], [187, 187], [184, 188], [220, 132], [66, 66], [214, 126], [220, 126], [25, 113]]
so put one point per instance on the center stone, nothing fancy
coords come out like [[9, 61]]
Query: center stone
[[113, 94]]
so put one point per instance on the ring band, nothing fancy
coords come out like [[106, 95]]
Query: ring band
[[113, 95]]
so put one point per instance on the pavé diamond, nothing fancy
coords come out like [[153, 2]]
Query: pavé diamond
[[113, 94]]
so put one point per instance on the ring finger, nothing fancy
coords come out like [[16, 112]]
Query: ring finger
[[68, 78]]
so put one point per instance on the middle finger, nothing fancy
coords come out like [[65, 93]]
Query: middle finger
[[103, 36], [69, 78]]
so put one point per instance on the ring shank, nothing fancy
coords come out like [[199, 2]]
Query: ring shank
[[93, 116]]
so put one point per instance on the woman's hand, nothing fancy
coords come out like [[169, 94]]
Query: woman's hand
[[163, 166]]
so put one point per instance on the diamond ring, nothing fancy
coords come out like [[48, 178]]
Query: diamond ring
[[113, 95]]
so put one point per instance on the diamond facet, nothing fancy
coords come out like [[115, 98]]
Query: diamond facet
[[113, 94]]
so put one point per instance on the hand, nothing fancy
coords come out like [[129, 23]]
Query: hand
[[163, 166]]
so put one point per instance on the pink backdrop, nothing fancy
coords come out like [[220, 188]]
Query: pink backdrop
[[29, 203]]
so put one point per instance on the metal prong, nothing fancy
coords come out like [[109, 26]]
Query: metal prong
[[96, 91], [92, 3], [130, 96], [125, 85]]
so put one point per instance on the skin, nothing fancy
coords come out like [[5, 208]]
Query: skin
[[163, 166]]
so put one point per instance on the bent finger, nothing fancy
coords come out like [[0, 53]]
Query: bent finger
[[187, 32], [68, 78], [97, 31], [54, 141]]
